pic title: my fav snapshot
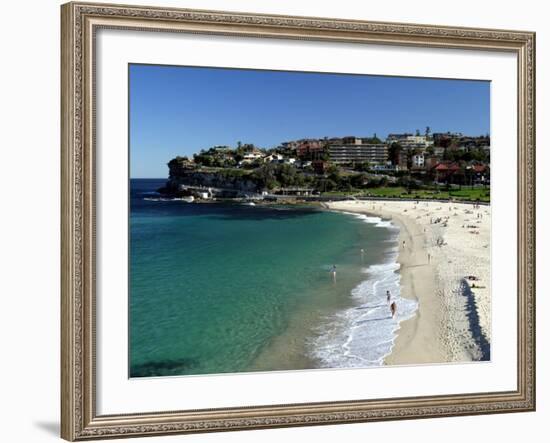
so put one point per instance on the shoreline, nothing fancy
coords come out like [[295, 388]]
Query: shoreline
[[316, 336], [451, 319], [445, 328], [418, 284]]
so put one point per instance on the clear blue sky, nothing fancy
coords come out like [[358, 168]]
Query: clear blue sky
[[180, 110]]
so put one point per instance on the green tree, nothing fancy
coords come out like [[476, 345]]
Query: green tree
[[334, 175], [265, 176], [362, 167], [358, 181], [345, 184], [325, 185], [410, 153], [286, 175], [394, 152], [374, 139], [204, 159]]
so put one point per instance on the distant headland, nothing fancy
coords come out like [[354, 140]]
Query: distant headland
[[439, 166]]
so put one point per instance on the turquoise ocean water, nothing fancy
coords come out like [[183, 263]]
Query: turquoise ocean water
[[220, 288]]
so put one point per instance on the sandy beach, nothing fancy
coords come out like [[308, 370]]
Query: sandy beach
[[444, 257]]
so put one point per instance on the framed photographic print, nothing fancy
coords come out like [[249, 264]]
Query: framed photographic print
[[282, 221]]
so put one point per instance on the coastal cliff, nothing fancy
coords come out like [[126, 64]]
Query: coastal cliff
[[223, 182], [214, 179], [224, 178]]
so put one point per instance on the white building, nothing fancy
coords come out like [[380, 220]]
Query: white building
[[254, 155], [410, 140], [359, 153], [273, 158], [418, 161], [303, 164]]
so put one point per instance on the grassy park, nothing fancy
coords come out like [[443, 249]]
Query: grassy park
[[466, 194]]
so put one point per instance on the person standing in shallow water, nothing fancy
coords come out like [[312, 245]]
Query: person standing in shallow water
[[393, 308], [388, 296], [333, 273]]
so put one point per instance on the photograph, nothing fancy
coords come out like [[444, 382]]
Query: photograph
[[289, 220], [275, 218]]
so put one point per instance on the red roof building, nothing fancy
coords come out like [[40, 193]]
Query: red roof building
[[445, 171], [447, 167]]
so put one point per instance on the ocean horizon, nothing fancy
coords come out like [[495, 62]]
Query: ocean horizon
[[227, 288]]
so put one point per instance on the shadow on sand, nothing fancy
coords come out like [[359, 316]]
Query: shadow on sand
[[473, 318]]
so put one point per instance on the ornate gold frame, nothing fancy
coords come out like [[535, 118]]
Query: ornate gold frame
[[79, 420]]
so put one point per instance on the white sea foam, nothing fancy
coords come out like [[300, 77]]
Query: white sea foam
[[364, 334], [376, 221]]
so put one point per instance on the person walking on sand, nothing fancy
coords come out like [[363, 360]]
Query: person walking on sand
[[403, 244], [388, 296], [429, 258], [393, 308], [333, 273]]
